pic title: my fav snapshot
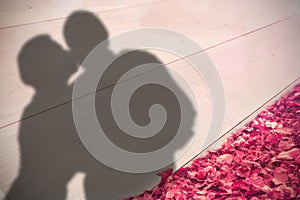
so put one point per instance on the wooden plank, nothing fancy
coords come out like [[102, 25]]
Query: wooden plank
[[213, 24], [253, 68], [14, 13]]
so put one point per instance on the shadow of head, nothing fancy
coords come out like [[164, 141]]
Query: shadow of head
[[83, 31], [42, 62]]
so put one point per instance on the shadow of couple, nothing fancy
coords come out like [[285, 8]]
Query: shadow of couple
[[51, 152]]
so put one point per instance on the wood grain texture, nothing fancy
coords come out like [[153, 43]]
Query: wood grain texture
[[255, 47], [211, 26], [15, 13]]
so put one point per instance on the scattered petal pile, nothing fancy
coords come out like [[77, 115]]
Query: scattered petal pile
[[260, 161]]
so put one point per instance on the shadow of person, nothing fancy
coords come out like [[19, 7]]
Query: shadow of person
[[44, 170], [50, 148]]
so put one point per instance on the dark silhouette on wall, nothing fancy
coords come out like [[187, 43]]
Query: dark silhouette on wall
[[50, 148]]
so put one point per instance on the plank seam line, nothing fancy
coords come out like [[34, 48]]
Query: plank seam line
[[94, 12], [171, 62], [246, 119]]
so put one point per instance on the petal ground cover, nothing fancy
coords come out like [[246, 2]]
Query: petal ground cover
[[259, 161]]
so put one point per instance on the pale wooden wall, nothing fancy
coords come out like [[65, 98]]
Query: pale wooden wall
[[255, 46]]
